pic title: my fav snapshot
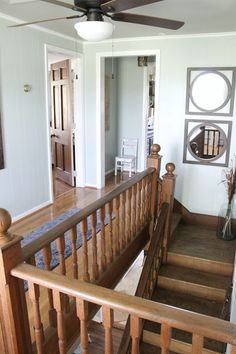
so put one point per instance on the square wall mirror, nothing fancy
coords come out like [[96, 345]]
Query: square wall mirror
[[207, 142], [210, 91]]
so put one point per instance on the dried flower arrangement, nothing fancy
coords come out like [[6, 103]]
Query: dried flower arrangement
[[225, 225]]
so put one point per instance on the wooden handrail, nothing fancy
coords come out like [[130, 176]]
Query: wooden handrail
[[188, 321], [49, 236], [155, 248]]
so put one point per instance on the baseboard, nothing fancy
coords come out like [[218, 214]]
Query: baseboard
[[209, 221], [31, 211]]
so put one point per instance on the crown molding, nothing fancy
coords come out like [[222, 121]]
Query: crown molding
[[164, 37], [41, 29]]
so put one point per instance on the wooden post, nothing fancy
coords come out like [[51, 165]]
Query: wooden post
[[154, 159], [167, 195], [13, 311]]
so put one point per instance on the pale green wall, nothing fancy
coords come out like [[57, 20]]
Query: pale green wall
[[129, 100], [198, 187], [24, 182]]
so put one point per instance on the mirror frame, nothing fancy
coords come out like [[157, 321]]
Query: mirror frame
[[190, 126], [225, 109]]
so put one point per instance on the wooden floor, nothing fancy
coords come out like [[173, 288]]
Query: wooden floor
[[73, 198]]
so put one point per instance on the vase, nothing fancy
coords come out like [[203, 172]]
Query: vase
[[226, 227]]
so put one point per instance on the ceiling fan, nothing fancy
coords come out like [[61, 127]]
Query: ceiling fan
[[95, 28]]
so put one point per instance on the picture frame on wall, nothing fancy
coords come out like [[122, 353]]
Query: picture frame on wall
[[210, 91]]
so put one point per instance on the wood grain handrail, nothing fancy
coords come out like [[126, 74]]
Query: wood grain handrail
[[154, 247], [188, 321], [49, 236]]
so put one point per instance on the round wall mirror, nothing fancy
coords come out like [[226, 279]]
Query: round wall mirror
[[206, 142], [210, 91]]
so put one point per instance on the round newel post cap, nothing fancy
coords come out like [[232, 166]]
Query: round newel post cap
[[5, 223], [170, 167], [155, 149]]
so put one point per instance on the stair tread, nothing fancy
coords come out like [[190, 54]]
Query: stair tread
[[195, 276], [201, 242], [191, 303], [188, 302]]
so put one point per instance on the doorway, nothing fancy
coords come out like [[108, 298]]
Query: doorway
[[144, 111], [65, 120]]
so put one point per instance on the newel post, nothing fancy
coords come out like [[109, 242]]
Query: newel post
[[167, 195], [15, 336], [154, 159]]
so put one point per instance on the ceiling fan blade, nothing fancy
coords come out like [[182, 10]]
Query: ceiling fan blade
[[47, 20], [147, 20], [65, 4], [122, 5]]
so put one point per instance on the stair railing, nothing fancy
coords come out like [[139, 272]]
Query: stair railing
[[149, 275], [139, 309], [125, 215], [165, 191]]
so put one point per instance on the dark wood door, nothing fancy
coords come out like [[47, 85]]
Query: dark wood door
[[62, 121]]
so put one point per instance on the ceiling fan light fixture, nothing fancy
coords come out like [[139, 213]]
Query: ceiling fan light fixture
[[94, 30]]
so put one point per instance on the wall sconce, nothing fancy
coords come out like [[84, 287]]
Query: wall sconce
[[27, 88], [142, 61]]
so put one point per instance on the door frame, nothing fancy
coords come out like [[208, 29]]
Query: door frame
[[100, 108], [77, 59]]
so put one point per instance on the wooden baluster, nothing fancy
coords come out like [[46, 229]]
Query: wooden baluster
[[38, 326], [107, 315], [123, 220], [60, 243], [117, 225], [134, 208], [110, 231], [167, 195], [94, 246], [47, 257], [197, 344], [139, 214], [148, 199], [128, 213], [13, 309], [82, 313], [61, 330], [165, 338], [143, 200], [73, 239], [84, 229], [103, 239], [153, 203], [233, 349], [135, 329]]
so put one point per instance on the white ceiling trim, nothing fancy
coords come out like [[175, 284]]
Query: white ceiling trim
[[39, 28], [163, 37]]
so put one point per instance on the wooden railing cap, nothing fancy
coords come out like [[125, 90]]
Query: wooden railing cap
[[5, 223], [155, 149], [170, 167]]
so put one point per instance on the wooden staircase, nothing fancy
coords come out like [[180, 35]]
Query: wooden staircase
[[196, 277]]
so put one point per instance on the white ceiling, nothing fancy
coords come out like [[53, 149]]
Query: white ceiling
[[200, 16]]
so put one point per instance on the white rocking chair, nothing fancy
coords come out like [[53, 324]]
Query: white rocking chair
[[128, 159]]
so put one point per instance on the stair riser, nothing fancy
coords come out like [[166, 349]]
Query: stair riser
[[191, 288], [200, 264]]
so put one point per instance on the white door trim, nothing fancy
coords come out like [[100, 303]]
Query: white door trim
[[100, 132], [78, 114]]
